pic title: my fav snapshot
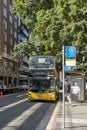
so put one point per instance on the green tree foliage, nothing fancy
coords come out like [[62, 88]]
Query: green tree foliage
[[23, 49], [53, 23]]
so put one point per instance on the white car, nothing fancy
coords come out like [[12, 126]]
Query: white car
[[23, 85]]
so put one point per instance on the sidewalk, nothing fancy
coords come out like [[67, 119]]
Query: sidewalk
[[75, 117]]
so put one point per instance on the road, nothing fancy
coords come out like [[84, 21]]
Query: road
[[17, 113]]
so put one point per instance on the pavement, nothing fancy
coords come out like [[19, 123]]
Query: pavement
[[75, 117]]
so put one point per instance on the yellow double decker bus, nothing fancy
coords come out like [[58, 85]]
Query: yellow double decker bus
[[43, 78]]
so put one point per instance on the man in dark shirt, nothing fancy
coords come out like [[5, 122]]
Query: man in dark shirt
[[67, 90]]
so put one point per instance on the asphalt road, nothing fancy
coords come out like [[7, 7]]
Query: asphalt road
[[17, 113]]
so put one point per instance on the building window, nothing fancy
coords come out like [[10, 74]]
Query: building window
[[10, 28], [5, 24], [10, 8], [5, 12], [5, 48], [10, 18], [5, 36], [11, 41], [15, 16], [5, 2], [15, 42], [15, 25], [11, 52], [15, 34]]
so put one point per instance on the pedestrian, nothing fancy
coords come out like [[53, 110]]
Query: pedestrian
[[67, 90], [75, 91], [60, 90]]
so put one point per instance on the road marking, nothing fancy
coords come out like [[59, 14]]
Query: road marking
[[11, 94], [44, 122], [21, 95], [8, 95], [11, 105], [13, 125]]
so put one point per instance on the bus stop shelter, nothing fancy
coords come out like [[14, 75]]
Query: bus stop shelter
[[79, 77]]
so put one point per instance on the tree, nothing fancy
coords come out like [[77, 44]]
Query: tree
[[54, 23]]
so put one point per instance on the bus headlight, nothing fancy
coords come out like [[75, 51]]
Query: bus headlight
[[52, 96]]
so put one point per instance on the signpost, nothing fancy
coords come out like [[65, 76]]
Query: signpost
[[63, 52], [69, 60]]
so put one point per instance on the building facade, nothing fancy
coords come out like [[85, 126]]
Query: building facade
[[8, 38], [12, 32], [23, 68]]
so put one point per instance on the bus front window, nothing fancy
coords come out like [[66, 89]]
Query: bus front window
[[42, 85]]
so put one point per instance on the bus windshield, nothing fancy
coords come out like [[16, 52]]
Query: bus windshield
[[42, 62], [42, 85]]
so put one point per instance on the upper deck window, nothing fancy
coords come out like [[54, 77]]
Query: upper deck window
[[47, 62]]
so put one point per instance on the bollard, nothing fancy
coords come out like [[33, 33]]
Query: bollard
[[1, 94]]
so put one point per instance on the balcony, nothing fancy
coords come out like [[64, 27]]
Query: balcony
[[26, 69], [23, 77], [7, 56], [23, 68]]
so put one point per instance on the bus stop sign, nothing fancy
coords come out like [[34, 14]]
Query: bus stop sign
[[70, 52], [70, 55]]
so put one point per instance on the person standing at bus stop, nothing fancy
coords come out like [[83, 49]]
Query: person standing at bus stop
[[75, 92], [67, 90]]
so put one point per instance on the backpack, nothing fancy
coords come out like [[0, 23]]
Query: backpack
[[67, 87]]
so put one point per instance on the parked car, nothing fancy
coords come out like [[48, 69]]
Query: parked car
[[3, 88], [23, 85]]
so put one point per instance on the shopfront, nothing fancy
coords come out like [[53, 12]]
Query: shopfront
[[7, 69]]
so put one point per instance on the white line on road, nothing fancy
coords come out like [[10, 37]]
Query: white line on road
[[11, 105], [21, 95], [43, 123], [13, 125]]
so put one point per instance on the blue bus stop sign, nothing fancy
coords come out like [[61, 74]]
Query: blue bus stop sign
[[67, 68], [70, 52]]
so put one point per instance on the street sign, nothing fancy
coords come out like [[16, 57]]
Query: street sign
[[67, 68], [70, 62], [70, 52], [70, 56]]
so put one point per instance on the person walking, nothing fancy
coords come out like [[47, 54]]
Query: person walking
[[75, 92], [67, 90]]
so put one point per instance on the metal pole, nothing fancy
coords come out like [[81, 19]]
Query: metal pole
[[63, 87]]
